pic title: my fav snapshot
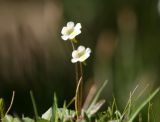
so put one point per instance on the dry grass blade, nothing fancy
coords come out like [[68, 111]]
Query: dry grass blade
[[10, 106]]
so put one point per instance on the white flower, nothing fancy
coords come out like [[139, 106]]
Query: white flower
[[81, 54], [71, 31]]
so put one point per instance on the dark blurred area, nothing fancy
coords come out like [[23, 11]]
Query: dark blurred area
[[123, 35]]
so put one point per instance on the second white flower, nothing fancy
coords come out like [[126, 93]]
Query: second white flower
[[81, 54]]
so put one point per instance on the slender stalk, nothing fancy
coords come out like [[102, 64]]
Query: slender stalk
[[80, 90], [76, 97], [76, 65], [78, 103], [72, 44]]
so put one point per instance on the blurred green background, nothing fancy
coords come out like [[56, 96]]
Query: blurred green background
[[123, 35]]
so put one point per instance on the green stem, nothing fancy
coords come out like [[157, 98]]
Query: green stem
[[72, 44], [80, 93], [77, 97]]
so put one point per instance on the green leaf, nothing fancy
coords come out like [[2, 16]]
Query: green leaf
[[41, 120], [7, 118], [16, 120], [27, 119]]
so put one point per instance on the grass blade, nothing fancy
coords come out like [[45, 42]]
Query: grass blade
[[34, 105], [55, 110], [1, 108], [143, 104]]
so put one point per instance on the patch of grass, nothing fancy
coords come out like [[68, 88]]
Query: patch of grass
[[91, 114]]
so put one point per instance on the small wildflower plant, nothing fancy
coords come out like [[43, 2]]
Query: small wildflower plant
[[81, 113]]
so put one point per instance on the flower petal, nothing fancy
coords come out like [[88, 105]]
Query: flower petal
[[70, 25], [64, 37], [77, 31], [78, 26], [75, 54], [84, 57], [74, 60], [81, 49], [88, 50], [64, 31]]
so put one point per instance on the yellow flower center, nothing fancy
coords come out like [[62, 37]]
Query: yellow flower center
[[70, 31], [80, 54]]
